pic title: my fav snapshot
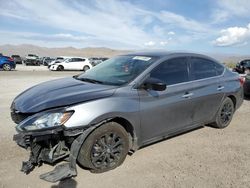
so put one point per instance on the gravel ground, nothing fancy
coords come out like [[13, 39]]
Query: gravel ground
[[205, 157]]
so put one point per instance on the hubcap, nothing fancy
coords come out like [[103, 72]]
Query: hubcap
[[6, 67], [107, 150], [226, 113]]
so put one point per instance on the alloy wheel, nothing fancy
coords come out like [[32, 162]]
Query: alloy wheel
[[226, 113], [107, 150]]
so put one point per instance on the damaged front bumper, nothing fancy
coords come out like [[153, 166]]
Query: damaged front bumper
[[51, 146]]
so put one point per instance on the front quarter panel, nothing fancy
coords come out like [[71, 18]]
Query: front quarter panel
[[124, 103]]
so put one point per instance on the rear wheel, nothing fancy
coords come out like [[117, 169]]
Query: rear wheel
[[105, 148], [85, 68], [6, 67], [60, 68], [225, 114]]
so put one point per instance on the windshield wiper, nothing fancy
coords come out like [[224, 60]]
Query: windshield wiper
[[90, 80]]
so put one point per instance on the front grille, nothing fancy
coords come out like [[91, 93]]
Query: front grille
[[18, 117]]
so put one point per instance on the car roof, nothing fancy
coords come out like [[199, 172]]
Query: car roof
[[67, 57], [162, 53], [245, 60]]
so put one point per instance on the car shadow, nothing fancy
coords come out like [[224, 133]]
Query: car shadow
[[247, 98], [66, 184]]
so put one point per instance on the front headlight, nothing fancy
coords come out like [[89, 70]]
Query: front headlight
[[44, 120]]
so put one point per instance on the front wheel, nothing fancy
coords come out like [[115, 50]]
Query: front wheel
[[6, 67], [60, 68], [225, 114], [105, 148]]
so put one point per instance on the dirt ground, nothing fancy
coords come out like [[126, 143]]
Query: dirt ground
[[206, 157]]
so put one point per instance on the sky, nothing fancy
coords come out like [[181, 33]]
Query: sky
[[188, 25]]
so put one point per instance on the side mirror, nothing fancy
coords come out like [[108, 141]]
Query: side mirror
[[154, 84]]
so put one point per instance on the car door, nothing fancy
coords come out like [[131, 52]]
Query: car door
[[80, 63], [205, 76], [74, 64], [171, 110], [67, 63]]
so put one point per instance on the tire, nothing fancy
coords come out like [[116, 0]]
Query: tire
[[6, 67], [225, 114], [60, 68], [85, 68], [105, 148]]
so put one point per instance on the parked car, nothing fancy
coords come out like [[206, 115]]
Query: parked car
[[127, 102], [47, 60], [74, 63], [1, 54], [7, 63], [241, 66], [58, 60], [97, 60], [246, 85], [17, 59], [32, 59]]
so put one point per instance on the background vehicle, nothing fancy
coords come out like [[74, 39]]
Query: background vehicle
[[73, 63], [99, 116], [241, 66], [32, 59], [17, 59], [47, 60], [246, 85], [58, 60], [7, 63], [97, 60], [1, 54]]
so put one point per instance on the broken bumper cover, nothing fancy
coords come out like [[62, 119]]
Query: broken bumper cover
[[51, 146]]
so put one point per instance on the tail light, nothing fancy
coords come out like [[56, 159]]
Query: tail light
[[242, 80], [10, 59]]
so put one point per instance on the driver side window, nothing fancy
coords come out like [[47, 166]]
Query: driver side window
[[172, 71]]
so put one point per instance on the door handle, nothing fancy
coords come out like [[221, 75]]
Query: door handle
[[187, 95], [220, 88]]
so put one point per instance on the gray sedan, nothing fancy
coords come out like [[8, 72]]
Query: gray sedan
[[129, 101]]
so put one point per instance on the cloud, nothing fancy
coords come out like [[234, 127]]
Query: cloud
[[111, 23], [163, 43], [171, 33], [150, 43], [179, 21], [228, 9], [219, 16], [235, 7], [233, 36]]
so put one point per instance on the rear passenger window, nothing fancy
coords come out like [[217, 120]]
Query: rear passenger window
[[171, 72], [219, 69], [203, 68]]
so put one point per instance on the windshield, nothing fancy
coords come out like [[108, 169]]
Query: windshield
[[118, 70]]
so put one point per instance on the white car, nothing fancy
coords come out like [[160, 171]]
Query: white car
[[73, 63], [58, 59]]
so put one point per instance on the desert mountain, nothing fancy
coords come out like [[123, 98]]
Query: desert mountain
[[25, 49]]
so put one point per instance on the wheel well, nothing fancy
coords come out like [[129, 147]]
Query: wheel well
[[233, 99], [129, 128]]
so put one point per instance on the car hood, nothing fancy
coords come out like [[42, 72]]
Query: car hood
[[58, 93]]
